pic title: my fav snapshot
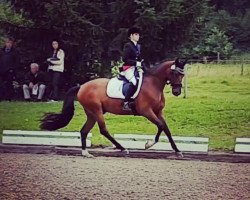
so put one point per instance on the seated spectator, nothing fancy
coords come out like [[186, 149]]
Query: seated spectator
[[34, 83]]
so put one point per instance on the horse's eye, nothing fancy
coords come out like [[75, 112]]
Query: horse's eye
[[174, 72]]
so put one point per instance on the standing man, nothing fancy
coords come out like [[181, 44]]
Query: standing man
[[8, 64], [34, 83], [131, 59]]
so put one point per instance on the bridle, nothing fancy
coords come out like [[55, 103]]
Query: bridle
[[175, 70]]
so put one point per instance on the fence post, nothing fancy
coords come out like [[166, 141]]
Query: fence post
[[242, 68], [218, 57], [185, 82]]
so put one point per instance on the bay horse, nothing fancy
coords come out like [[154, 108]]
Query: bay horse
[[95, 102]]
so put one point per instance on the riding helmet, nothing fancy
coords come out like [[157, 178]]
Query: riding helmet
[[133, 30]]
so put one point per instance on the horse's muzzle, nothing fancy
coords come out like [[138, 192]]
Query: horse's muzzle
[[176, 90]]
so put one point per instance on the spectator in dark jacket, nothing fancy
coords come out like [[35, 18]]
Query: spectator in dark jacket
[[8, 64], [34, 83]]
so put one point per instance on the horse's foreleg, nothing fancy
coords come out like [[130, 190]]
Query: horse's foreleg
[[170, 139], [161, 124], [84, 133]]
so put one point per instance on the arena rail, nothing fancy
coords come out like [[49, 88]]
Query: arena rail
[[188, 144], [50, 138], [242, 145]]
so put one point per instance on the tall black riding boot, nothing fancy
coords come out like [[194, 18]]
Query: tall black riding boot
[[130, 92]]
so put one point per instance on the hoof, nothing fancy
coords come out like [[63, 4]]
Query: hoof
[[149, 144], [86, 154], [179, 154], [125, 151]]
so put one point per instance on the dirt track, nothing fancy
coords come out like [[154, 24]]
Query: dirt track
[[28, 176]]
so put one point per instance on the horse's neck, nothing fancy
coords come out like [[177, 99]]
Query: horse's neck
[[161, 73]]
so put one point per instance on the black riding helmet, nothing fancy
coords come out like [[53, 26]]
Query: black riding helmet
[[133, 30]]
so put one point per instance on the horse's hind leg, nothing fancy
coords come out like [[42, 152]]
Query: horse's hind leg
[[89, 124], [104, 132], [151, 143]]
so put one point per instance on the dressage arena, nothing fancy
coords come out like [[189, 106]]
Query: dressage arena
[[36, 176]]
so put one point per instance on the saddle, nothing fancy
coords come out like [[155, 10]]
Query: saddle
[[118, 86]]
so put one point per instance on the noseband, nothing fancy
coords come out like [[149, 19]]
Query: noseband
[[168, 82]]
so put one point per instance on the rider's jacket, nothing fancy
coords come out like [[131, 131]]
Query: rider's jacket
[[131, 55]]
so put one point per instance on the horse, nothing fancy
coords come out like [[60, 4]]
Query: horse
[[149, 103]]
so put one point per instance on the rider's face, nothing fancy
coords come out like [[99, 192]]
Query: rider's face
[[135, 37]]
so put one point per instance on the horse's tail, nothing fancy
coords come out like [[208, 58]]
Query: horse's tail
[[54, 121]]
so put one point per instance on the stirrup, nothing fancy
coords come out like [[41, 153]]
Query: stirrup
[[126, 106]]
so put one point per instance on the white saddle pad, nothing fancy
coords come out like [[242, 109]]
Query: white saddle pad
[[114, 88]]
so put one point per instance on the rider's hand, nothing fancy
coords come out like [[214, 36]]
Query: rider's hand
[[138, 64], [31, 85]]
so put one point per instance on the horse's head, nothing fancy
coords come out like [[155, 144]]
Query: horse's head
[[176, 75], [169, 72]]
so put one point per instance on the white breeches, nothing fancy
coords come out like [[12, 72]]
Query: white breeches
[[129, 75]]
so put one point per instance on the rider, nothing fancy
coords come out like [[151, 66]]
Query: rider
[[131, 59]]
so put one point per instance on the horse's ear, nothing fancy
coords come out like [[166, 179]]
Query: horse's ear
[[177, 60], [185, 60], [180, 62]]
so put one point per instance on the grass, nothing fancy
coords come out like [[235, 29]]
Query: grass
[[217, 107]]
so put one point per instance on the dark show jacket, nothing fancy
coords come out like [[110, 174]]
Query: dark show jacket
[[131, 54], [38, 78], [8, 60]]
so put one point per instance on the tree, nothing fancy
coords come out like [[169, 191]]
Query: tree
[[10, 19], [96, 30], [233, 18], [167, 25], [216, 43]]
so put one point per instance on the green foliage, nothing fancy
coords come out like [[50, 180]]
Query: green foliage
[[215, 42], [96, 30], [10, 18], [115, 68], [93, 30], [167, 26], [232, 17]]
